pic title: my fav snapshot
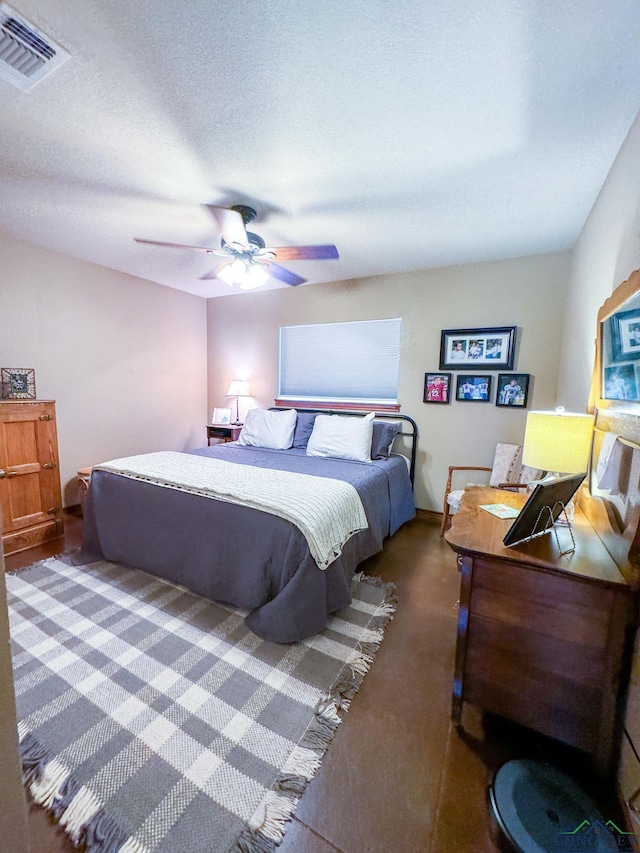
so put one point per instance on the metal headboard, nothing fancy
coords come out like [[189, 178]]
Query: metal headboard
[[409, 428]]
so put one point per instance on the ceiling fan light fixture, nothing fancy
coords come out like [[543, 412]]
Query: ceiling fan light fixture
[[245, 274], [233, 273], [255, 276]]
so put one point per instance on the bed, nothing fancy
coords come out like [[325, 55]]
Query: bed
[[241, 553]]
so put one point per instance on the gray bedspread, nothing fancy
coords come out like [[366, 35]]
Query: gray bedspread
[[239, 555]]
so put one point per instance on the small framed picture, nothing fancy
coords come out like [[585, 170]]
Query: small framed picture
[[221, 416], [625, 335], [18, 383], [471, 388], [513, 390], [620, 383], [477, 349], [437, 388]]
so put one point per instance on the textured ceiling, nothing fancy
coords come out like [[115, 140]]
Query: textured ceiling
[[410, 134]]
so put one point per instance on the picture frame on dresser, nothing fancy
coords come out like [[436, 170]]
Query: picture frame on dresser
[[18, 383]]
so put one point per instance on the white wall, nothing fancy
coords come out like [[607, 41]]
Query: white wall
[[124, 359], [607, 252], [526, 292]]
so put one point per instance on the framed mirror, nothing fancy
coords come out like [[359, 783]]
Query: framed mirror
[[614, 472], [617, 370]]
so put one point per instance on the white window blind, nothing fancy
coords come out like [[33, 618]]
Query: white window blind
[[341, 362]]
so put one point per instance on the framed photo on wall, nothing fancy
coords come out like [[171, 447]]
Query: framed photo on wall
[[478, 349], [437, 388], [513, 390], [471, 388], [18, 383]]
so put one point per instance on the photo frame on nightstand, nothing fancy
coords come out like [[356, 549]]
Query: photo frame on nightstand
[[221, 416]]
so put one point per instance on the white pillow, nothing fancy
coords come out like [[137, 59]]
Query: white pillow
[[268, 429], [342, 437]]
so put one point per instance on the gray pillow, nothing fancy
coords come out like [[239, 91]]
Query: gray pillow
[[304, 428], [382, 439]]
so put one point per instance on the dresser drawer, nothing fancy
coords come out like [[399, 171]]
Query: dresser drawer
[[554, 688], [562, 608]]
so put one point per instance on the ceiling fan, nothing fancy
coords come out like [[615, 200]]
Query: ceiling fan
[[247, 261]]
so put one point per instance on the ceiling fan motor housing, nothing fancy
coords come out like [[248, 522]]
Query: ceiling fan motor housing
[[255, 241], [247, 213]]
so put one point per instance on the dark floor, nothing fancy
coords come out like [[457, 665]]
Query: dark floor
[[398, 777]]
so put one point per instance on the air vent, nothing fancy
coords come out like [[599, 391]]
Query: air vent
[[26, 55]]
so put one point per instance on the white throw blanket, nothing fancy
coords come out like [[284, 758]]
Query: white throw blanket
[[328, 512]]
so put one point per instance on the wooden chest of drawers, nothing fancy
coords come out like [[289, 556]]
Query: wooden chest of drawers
[[543, 639], [30, 494]]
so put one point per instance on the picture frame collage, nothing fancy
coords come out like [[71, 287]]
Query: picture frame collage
[[482, 351], [621, 372]]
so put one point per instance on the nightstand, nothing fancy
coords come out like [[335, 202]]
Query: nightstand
[[224, 432], [84, 476]]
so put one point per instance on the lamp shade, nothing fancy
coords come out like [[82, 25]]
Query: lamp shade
[[558, 441], [238, 388]]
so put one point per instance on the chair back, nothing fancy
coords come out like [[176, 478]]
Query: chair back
[[507, 464], [508, 467]]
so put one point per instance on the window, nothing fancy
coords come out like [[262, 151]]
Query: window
[[341, 363]]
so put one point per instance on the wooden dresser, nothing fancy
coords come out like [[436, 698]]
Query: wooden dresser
[[543, 639], [30, 494]]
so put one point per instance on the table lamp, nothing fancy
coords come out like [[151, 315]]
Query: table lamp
[[238, 388], [558, 442]]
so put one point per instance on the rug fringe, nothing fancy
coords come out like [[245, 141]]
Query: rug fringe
[[265, 830], [302, 762], [352, 675], [11, 573], [46, 789], [72, 805]]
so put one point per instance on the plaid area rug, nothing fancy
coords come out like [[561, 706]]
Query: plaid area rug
[[151, 719]]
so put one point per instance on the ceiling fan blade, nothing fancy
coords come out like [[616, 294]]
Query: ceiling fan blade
[[284, 275], [303, 253], [180, 246], [215, 271], [231, 225]]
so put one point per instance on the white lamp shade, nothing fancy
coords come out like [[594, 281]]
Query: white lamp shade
[[238, 388], [558, 441]]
